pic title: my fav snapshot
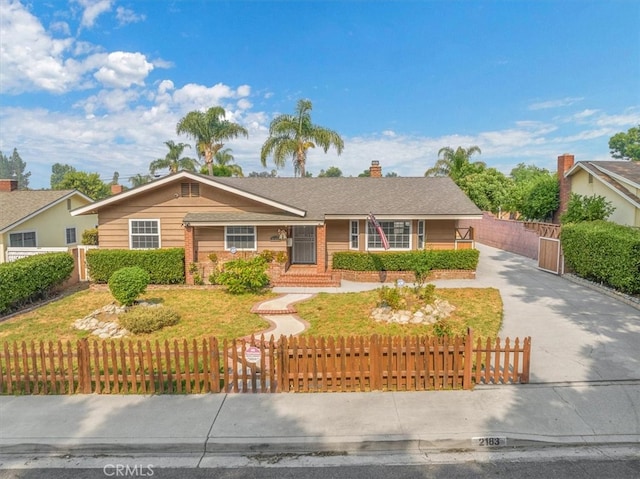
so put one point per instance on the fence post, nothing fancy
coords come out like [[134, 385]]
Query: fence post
[[526, 360], [84, 371], [468, 360]]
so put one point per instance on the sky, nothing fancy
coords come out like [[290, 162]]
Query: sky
[[101, 84]]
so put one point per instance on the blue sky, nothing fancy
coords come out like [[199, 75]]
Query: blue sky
[[101, 84]]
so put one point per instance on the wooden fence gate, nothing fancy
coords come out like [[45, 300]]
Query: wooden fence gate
[[550, 257]]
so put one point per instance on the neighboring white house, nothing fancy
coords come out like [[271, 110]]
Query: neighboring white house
[[40, 218], [617, 181]]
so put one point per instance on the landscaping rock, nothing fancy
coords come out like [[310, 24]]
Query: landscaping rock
[[428, 314]]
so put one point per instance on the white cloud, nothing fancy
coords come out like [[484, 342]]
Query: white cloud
[[92, 10], [123, 69], [126, 16], [543, 105]]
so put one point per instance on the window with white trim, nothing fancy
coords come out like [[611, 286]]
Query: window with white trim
[[398, 234], [354, 242], [70, 235], [24, 239], [144, 234], [242, 238], [420, 234]]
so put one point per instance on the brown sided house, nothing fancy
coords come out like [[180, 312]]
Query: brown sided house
[[309, 219]]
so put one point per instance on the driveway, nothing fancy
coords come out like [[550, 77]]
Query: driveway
[[577, 334]]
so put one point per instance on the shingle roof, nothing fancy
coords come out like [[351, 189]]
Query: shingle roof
[[16, 205], [321, 197], [609, 173]]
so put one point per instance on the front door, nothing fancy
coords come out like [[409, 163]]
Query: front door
[[304, 245]]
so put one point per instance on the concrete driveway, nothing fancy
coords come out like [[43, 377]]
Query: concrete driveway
[[577, 334]]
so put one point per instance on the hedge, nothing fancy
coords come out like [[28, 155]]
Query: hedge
[[32, 278], [407, 260], [165, 266], [604, 252]]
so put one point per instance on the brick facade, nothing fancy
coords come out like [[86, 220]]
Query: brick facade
[[565, 162]]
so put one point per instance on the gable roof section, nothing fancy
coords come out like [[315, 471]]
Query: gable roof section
[[616, 175], [22, 205], [185, 175]]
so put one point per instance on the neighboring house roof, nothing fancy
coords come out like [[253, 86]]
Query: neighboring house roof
[[616, 175], [313, 200], [22, 205]]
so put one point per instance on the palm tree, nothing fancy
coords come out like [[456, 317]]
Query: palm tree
[[226, 159], [139, 180], [173, 160], [455, 163], [292, 135], [209, 129]]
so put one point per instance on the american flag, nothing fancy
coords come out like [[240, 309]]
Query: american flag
[[378, 228]]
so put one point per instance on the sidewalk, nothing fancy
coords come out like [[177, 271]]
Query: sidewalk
[[576, 414], [585, 390]]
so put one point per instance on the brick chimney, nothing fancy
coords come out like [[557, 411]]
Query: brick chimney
[[565, 162], [8, 184], [115, 189], [375, 171]]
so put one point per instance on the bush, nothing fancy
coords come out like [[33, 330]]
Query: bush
[[32, 278], [244, 276], [604, 252], [404, 297], [165, 266], [416, 261], [90, 236], [127, 284], [143, 319]]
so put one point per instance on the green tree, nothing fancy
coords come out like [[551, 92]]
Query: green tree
[[264, 174], [140, 179], [209, 130], [13, 167], [226, 159], [88, 183], [587, 208], [523, 177], [58, 172], [292, 135], [626, 146], [174, 159], [488, 189], [331, 172], [456, 163], [365, 174], [541, 199]]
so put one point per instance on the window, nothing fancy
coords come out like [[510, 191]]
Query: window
[[355, 230], [398, 234], [26, 239], [68, 203], [144, 234], [240, 238], [189, 189], [420, 234], [70, 235]]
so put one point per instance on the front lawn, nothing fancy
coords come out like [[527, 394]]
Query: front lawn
[[211, 312]]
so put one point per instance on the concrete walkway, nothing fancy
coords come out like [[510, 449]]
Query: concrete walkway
[[281, 314]]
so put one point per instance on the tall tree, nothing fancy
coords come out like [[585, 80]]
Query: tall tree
[[455, 163], [541, 199], [225, 158], [58, 172], [488, 189], [13, 167], [292, 135], [88, 183], [209, 130], [174, 159], [626, 146], [264, 174]]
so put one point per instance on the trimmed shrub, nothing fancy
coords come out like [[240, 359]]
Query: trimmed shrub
[[127, 284], [416, 261], [32, 278], [244, 276], [144, 319], [604, 252], [165, 266], [90, 236]]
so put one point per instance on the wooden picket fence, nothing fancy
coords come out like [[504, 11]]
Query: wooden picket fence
[[293, 364]]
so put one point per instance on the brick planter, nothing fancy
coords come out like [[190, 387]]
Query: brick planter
[[408, 276]]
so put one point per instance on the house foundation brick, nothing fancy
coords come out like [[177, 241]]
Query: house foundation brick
[[189, 252]]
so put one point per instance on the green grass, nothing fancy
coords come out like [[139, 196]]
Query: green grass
[[348, 314], [211, 312]]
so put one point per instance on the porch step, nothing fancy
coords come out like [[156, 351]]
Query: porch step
[[309, 280]]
